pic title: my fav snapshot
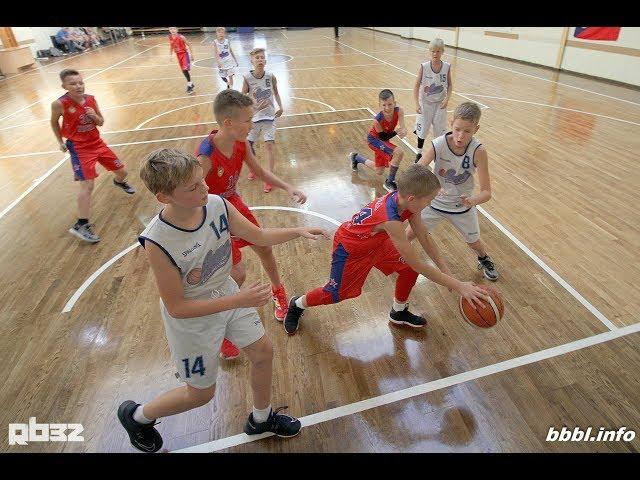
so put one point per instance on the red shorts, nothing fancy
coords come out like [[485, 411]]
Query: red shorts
[[351, 264], [85, 156], [382, 149], [237, 244], [184, 60]]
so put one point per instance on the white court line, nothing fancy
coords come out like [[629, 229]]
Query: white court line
[[315, 101], [284, 34], [78, 293], [398, 68], [51, 97], [515, 71], [423, 388]]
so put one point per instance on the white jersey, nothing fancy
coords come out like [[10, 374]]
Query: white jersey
[[433, 85], [224, 54], [203, 255], [261, 90], [455, 173]]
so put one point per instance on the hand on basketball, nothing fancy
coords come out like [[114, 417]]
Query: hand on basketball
[[466, 202], [278, 113], [256, 295], [472, 293], [63, 147], [419, 109], [298, 196], [313, 233]]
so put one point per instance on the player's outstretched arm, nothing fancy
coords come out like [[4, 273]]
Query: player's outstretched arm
[[428, 245], [243, 228]]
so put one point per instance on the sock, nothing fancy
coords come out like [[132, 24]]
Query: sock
[[420, 144], [186, 75], [300, 302], [261, 416], [392, 173], [139, 417], [189, 84], [360, 159], [398, 307], [82, 221]]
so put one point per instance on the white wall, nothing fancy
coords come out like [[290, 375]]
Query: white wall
[[39, 34], [402, 31], [614, 66]]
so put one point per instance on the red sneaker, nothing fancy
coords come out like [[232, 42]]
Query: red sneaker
[[228, 351], [267, 188], [251, 176], [280, 300]]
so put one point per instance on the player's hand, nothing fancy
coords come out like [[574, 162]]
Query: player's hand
[[444, 104], [401, 132], [63, 147], [472, 293], [278, 113], [256, 295], [90, 111], [313, 233], [298, 196], [466, 202], [419, 109]]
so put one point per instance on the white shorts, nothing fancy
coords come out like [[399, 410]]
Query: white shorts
[[225, 72], [265, 127], [195, 342], [431, 114], [466, 223]]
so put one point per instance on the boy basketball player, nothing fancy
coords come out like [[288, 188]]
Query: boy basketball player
[[457, 157], [224, 57], [431, 93], [375, 237], [188, 245], [384, 129], [263, 88], [80, 116], [222, 155], [179, 44]]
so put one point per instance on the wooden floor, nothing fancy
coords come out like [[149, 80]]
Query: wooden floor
[[562, 152]]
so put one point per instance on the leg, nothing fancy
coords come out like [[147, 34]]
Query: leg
[[120, 174], [230, 84], [268, 261], [84, 198], [269, 132], [396, 158], [178, 400], [439, 121], [467, 224], [260, 355]]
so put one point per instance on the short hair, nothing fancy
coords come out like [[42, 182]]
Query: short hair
[[256, 51], [227, 102], [417, 180], [221, 28], [468, 111], [67, 72], [164, 169], [436, 43], [386, 94]]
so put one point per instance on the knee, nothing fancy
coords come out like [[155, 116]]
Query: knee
[[270, 146], [264, 353], [379, 170], [263, 251]]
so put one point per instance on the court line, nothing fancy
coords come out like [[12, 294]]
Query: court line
[[515, 71], [283, 34], [399, 68], [78, 293], [424, 388]]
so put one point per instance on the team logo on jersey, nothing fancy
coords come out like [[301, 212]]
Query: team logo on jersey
[[220, 171], [451, 177], [72, 109], [433, 89]]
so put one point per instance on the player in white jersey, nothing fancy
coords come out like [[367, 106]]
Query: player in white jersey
[[189, 249], [457, 157], [225, 57], [431, 93], [263, 88]]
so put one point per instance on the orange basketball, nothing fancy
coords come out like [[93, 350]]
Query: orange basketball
[[487, 315]]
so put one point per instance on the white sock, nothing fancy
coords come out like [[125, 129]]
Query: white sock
[[189, 84], [398, 307], [139, 417], [261, 416], [300, 302], [419, 150]]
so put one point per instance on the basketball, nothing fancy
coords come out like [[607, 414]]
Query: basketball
[[487, 315]]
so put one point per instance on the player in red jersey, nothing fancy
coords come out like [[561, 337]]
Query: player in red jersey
[[80, 115], [383, 129], [375, 237], [222, 155], [179, 44]]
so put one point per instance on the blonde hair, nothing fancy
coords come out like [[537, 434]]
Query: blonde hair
[[436, 43], [256, 51], [164, 169], [417, 180], [227, 102], [468, 111], [221, 28]]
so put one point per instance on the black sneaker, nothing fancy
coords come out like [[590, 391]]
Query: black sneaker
[[354, 164], [489, 268], [292, 320], [144, 437], [418, 157], [84, 232], [190, 89], [125, 186], [282, 425], [390, 186], [405, 317]]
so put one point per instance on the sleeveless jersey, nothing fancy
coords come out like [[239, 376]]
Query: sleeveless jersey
[[224, 53], [203, 255], [455, 173], [225, 172], [387, 125], [433, 86], [178, 43], [76, 124], [261, 90]]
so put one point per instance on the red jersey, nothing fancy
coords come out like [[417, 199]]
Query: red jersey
[[387, 125], [225, 172], [76, 124], [177, 42], [361, 225]]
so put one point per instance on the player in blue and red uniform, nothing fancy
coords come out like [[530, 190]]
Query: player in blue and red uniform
[[179, 44], [383, 129], [80, 116], [375, 238]]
